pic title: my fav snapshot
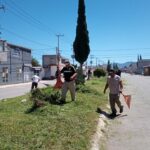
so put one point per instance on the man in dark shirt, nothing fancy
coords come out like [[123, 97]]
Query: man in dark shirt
[[69, 74]]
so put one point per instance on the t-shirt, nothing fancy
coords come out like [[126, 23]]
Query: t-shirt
[[114, 84], [35, 79], [68, 72]]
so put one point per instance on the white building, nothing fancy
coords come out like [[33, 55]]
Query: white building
[[50, 63]]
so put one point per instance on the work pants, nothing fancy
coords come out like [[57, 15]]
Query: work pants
[[68, 86], [114, 99]]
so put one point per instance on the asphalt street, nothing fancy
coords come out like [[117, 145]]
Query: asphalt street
[[13, 90], [132, 131]]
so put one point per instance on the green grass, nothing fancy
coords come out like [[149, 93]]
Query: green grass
[[52, 127]]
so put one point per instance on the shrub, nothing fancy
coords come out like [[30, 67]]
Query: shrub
[[41, 96], [47, 94], [99, 72]]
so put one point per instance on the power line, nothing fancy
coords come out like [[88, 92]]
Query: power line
[[121, 49], [24, 38], [28, 18], [25, 16]]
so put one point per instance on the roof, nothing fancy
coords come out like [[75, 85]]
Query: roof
[[16, 46], [147, 66]]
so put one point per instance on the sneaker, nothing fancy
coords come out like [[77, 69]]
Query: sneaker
[[121, 109], [112, 115], [73, 99], [63, 102]]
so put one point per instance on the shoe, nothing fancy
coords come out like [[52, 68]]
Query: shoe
[[73, 99], [61, 102], [121, 109], [112, 115]]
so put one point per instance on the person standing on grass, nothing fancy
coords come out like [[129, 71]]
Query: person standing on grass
[[115, 86], [35, 81], [69, 74]]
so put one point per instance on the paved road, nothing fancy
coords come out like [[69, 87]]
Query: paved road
[[133, 131], [14, 90]]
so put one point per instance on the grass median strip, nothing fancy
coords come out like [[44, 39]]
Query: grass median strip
[[52, 127]]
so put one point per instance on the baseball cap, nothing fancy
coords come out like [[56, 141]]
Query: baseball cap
[[67, 61]]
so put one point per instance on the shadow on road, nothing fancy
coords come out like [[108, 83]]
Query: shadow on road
[[109, 116], [47, 84]]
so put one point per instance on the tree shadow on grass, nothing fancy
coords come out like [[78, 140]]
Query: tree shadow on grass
[[37, 104]]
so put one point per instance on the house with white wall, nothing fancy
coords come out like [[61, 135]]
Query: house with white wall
[[50, 63]]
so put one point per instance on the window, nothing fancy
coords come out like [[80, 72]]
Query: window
[[16, 52], [18, 72], [5, 74], [1, 47]]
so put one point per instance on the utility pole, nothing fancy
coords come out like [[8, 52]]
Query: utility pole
[[96, 61], [72, 56], [3, 8], [58, 50], [59, 83], [91, 57]]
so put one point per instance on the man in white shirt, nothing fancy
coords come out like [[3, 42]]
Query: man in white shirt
[[115, 86], [35, 80]]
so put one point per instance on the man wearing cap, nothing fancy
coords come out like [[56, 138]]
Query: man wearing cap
[[115, 87], [69, 74]]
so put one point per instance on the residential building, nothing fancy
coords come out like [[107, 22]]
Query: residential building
[[15, 63], [141, 64], [147, 70], [50, 63]]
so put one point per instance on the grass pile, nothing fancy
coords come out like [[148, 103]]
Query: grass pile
[[52, 127]]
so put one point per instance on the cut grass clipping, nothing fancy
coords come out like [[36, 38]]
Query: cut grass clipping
[[51, 127]]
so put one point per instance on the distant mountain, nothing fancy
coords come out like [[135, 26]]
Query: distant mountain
[[122, 65]]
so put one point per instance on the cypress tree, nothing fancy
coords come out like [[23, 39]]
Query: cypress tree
[[140, 57], [81, 43], [108, 66]]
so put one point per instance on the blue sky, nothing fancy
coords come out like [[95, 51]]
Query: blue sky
[[119, 30]]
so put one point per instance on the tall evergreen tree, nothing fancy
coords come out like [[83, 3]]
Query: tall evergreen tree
[[115, 66], [140, 57], [81, 43], [108, 66]]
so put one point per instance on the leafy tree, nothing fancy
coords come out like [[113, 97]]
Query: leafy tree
[[99, 72], [35, 62], [81, 43], [108, 66]]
